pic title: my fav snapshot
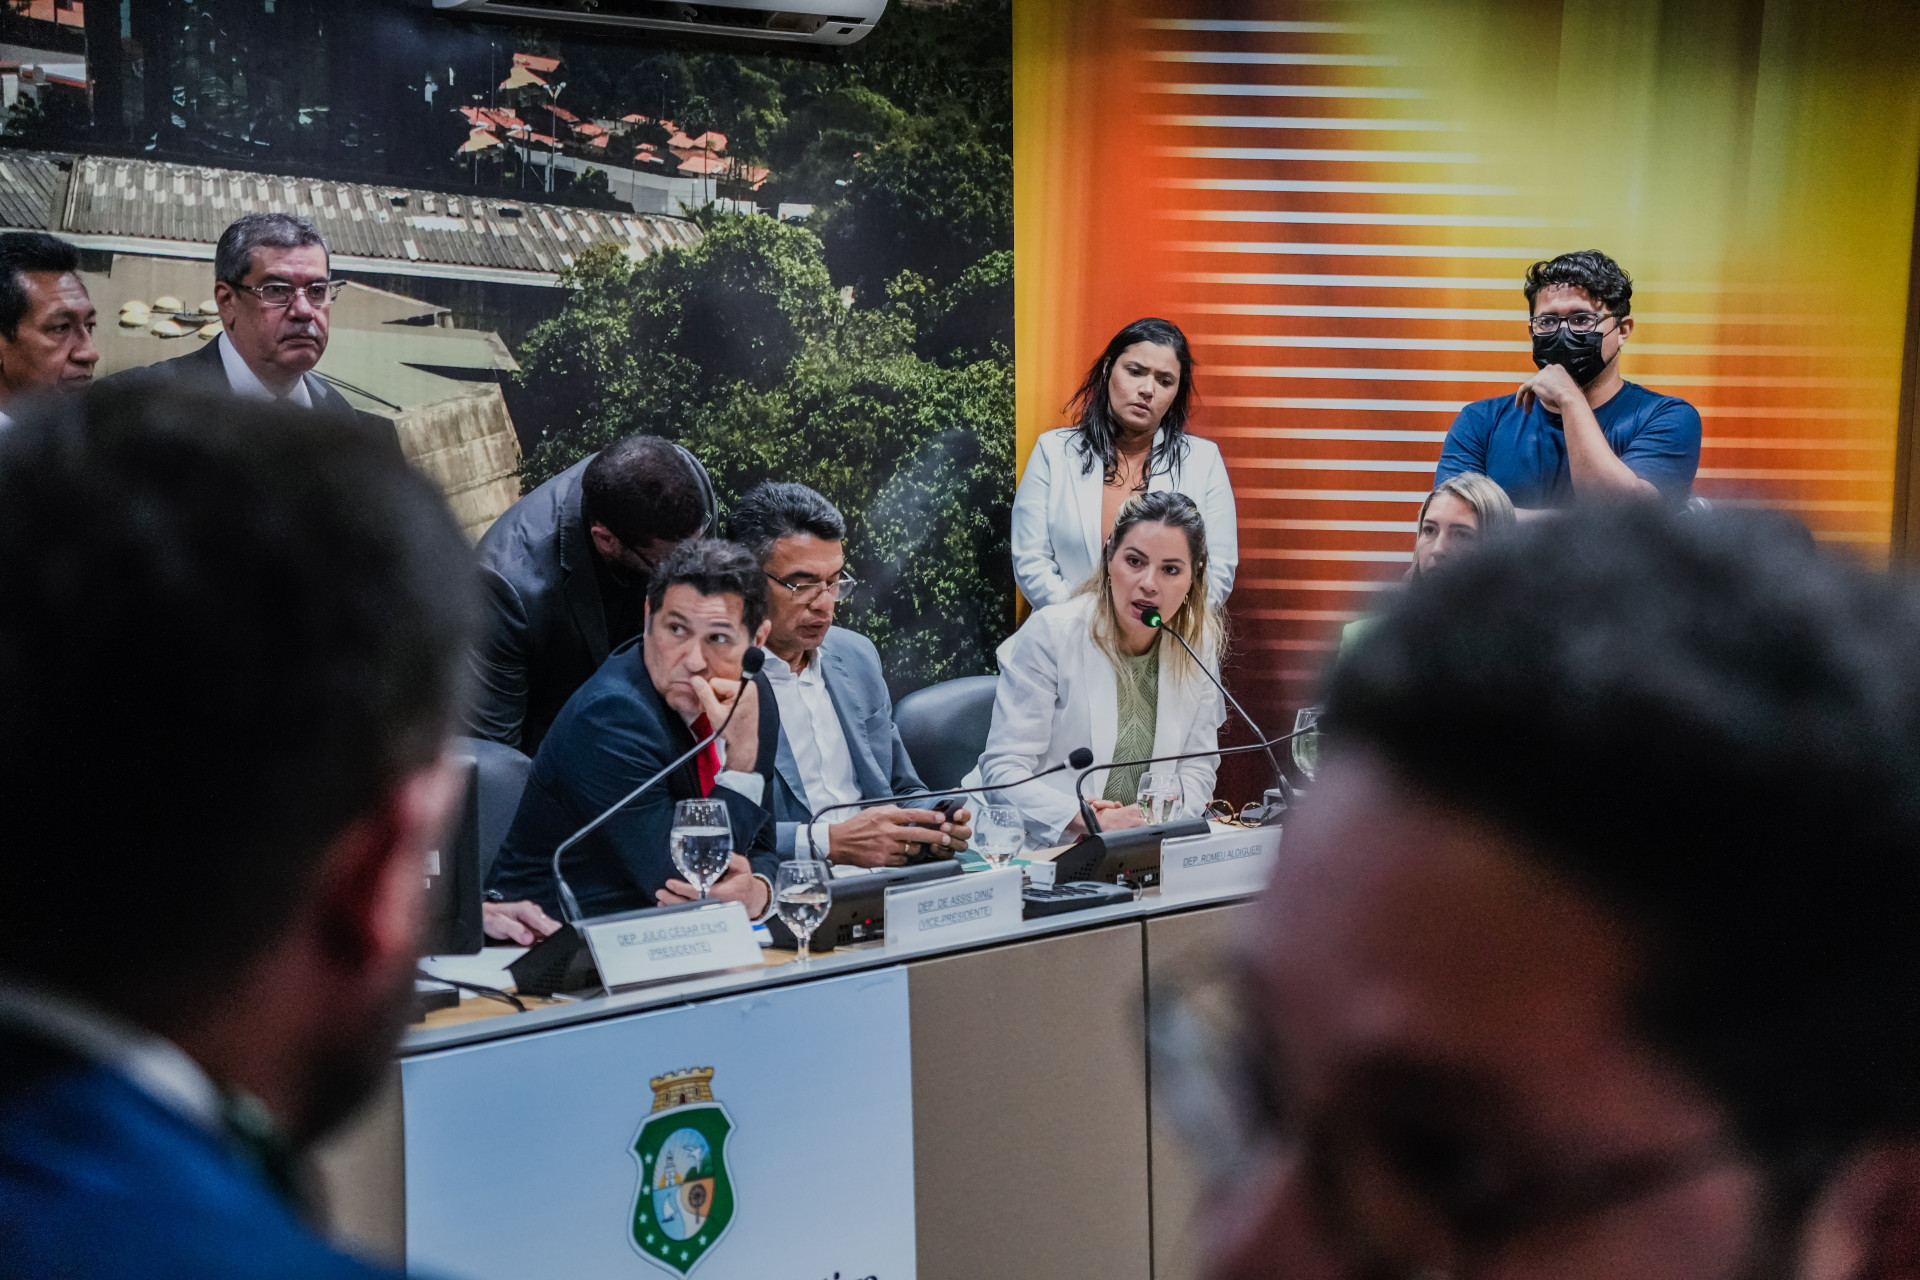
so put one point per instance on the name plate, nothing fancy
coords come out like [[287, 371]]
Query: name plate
[[955, 909], [677, 942], [1237, 860]]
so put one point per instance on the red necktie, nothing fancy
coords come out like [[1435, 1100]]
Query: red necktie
[[708, 761]]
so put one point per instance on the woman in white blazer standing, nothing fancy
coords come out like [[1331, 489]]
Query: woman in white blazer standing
[[1129, 437], [1089, 673]]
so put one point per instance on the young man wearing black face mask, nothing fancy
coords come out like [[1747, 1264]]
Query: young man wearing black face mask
[[1577, 430]]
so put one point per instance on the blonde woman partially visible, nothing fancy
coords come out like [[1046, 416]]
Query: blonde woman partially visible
[[1460, 513], [1088, 672], [1464, 510]]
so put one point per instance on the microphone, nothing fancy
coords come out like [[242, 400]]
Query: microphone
[[1275, 799], [1080, 783], [1078, 758], [750, 664]]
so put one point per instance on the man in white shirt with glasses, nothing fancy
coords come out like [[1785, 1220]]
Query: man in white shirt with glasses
[[838, 743]]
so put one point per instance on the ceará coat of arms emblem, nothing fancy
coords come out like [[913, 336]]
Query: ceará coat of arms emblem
[[685, 1201]]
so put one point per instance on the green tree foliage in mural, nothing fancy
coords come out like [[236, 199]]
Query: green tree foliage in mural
[[931, 199], [741, 349], [867, 353]]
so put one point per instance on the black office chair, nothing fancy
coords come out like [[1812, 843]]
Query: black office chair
[[502, 777], [945, 728]]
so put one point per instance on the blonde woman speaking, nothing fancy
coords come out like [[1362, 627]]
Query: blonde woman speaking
[[1089, 673]]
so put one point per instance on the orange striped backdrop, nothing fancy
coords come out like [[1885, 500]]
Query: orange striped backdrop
[[1337, 198]]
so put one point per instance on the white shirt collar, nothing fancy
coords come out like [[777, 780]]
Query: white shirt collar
[[246, 384], [777, 668], [157, 1066]]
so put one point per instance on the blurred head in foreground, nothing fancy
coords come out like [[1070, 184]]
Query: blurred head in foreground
[[230, 645], [1594, 951]]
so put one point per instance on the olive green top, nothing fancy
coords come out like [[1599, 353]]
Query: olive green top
[[1138, 684]]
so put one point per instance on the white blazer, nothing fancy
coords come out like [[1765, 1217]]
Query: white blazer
[[1057, 532], [1059, 691]]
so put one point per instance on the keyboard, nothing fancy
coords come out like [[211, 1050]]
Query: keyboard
[[1075, 895]]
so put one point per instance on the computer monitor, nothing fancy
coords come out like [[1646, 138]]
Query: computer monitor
[[453, 876]]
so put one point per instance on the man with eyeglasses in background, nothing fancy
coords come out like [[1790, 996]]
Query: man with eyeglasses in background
[[838, 742], [1577, 430], [1592, 952], [273, 284]]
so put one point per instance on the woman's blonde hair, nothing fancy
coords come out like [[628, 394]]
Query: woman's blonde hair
[[1197, 620], [1492, 508]]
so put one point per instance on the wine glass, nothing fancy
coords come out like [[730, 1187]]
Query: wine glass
[[1159, 795], [701, 841], [1306, 743], [998, 834], [802, 894]]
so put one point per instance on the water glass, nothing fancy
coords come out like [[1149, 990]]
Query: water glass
[[1306, 742], [998, 834], [1159, 796], [802, 894], [701, 841]]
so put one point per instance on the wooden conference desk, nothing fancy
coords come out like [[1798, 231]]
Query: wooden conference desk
[[1033, 1043]]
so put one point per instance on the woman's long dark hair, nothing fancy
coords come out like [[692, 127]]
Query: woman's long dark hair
[[1093, 416]]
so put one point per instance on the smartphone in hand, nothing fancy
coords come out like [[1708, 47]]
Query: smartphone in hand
[[946, 807]]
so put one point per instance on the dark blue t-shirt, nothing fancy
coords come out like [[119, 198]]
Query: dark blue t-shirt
[[1657, 436]]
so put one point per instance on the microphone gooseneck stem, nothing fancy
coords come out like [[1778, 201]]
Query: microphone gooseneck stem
[[1088, 818], [1080, 783], [1233, 702], [570, 905], [1078, 758], [864, 803]]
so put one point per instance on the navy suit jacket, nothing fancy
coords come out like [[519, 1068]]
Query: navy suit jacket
[[204, 369], [99, 1181], [612, 735], [850, 665]]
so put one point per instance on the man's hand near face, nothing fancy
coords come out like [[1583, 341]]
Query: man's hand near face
[[1591, 462], [1554, 390], [739, 884], [883, 835], [742, 735]]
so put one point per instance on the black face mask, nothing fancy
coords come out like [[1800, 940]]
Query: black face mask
[[1577, 353]]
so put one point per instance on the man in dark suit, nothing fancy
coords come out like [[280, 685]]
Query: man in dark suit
[[274, 287], [565, 574], [221, 780], [838, 742], [649, 704]]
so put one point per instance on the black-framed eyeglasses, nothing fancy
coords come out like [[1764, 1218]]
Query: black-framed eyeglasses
[[278, 293], [1389, 1188], [1576, 321], [841, 587]]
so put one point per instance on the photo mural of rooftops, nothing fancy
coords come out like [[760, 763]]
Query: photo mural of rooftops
[[797, 261]]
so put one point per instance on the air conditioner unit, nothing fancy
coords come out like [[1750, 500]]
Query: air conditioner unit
[[794, 21]]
